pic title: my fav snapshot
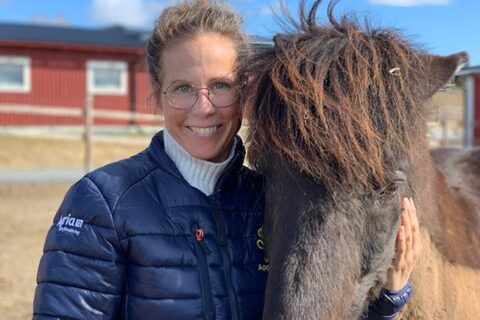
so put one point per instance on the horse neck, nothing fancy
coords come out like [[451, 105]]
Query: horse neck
[[450, 215]]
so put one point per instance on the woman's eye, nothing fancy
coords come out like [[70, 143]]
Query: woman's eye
[[183, 89], [221, 86]]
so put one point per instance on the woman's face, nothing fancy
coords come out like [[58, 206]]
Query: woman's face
[[204, 61]]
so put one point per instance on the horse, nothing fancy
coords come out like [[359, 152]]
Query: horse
[[337, 126]]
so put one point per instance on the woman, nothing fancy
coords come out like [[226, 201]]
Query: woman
[[172, 232]]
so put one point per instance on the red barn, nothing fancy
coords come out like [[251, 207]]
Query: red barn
[[472, 104], [46, 73]]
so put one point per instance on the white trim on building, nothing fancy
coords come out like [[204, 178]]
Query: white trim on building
[[23, 85], [114, 83]]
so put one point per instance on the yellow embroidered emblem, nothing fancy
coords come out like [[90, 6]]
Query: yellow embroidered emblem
[[261, 245]]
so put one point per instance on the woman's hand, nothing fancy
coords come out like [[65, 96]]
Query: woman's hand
[[407, 248]]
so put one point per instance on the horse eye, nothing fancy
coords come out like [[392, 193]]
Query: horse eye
[[388, 191], [392, 188]]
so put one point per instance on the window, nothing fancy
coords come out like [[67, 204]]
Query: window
[[107, 77], [14, 74]]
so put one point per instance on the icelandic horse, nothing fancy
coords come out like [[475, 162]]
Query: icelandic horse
[[337, 125]]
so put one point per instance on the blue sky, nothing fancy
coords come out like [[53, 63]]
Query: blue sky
[[442, 26]]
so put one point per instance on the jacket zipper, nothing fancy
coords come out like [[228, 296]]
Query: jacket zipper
[[227, 263], [202, 252]]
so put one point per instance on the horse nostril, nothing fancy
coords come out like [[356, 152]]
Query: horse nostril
[[399, 177]]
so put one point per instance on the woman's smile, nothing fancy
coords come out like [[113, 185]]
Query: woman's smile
[[205, 131]]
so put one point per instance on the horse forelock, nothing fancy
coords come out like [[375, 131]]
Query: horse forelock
[[338, 100]]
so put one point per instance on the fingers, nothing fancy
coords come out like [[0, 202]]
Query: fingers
[[414, 225], [406, 222], [411, 217], [407, 247], [416, 243], [411, 231], [401, 248]]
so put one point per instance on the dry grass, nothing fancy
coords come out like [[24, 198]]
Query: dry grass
[[26, 213], [23, 152]]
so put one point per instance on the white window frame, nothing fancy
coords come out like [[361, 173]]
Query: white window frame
[[122, 66], [26, 64]]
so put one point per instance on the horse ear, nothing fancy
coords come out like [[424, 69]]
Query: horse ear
[[440, 69]]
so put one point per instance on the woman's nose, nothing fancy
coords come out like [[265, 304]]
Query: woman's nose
[[203, 101]]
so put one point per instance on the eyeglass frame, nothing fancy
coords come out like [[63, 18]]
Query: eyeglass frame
[[236, 87]]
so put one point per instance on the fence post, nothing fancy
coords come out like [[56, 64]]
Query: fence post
[[469, 119], [88, 163], [444, 126]]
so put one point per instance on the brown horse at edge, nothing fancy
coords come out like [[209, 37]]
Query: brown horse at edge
[[337, 125]]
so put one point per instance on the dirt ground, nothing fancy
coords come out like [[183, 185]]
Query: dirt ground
[[27, 152], [27, 210]]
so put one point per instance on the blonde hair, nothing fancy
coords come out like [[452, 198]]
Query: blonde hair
[[188, 19]]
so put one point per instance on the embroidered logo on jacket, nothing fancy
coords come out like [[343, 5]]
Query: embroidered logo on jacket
[[261, 245], [70, 224]]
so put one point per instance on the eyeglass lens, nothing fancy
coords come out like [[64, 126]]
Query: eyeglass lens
[[183, 96]]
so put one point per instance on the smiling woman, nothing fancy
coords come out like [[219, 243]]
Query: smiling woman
[[170, 233]]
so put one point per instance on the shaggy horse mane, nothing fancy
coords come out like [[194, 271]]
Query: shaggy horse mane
[[339, 100]]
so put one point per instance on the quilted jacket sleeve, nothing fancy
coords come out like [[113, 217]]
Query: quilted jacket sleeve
[[389, 304], [81, 273]]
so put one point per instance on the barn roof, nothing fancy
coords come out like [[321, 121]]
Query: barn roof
[[115, 36], [111, 36], [465, 71]]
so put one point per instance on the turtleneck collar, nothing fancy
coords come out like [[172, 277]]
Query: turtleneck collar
[[200, 174]]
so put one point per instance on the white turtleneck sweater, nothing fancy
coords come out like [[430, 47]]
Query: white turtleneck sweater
[[200, 174]]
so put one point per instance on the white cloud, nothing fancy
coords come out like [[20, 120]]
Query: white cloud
[[410, 3], [129, 13]]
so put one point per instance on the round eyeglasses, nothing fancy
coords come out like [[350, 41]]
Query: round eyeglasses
[[183, 95]]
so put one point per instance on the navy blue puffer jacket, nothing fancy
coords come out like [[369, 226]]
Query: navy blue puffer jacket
[[133, 240]]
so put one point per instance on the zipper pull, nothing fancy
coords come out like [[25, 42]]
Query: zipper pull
[[199, 235]]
